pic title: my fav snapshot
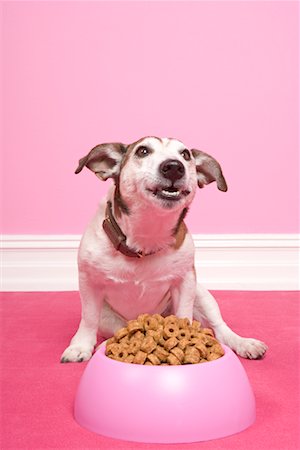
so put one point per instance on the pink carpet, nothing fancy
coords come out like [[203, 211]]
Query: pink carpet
[[38, 392]]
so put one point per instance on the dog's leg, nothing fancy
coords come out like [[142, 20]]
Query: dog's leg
[[110, 322], [82, 344], [183, 295], [206, 308]]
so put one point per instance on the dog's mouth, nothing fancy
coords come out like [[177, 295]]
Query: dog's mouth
[[172, 193]]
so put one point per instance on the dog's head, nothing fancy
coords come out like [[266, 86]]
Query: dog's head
[[161, 171]]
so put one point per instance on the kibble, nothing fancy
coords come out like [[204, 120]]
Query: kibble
[[156, 340]]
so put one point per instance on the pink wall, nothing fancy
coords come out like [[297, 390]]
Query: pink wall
[[221, 76]]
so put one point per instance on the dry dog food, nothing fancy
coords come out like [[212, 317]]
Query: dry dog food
[[155, 340]]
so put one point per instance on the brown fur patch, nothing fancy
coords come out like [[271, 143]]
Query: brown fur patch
[[180, 230], [180, 235], [119, 205]]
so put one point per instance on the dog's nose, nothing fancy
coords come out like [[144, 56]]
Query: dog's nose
[[172, 169]]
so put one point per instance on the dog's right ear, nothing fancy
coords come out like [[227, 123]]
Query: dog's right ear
[[104, 160]]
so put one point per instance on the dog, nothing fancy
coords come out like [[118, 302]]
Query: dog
[[137, 255]]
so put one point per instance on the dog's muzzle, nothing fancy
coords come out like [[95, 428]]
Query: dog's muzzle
[[172, 171]]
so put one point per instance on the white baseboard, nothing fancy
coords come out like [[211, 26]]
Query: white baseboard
[[233, 262]]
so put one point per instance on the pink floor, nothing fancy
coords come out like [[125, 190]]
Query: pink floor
[[38, 392]]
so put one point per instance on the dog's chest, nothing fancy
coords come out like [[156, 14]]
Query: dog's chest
[[132, 298], [138, 285], [135, 285], [134, 272]]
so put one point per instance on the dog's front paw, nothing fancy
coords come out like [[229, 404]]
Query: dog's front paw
[[250, 348], [76, 353]]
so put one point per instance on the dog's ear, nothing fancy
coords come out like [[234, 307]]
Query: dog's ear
[[208, 170], [104, 160]]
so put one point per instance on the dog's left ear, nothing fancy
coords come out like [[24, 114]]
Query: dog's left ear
[[104, 160], [208, 170]]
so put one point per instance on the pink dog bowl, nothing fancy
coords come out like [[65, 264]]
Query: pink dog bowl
[[167, 404]]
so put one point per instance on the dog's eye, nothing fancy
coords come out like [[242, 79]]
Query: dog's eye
[[186, 154], [142, 151]]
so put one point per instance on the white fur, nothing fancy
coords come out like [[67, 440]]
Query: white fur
[[115, 288]]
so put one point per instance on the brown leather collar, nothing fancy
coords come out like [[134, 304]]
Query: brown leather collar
[[116, 235], [118, 238]]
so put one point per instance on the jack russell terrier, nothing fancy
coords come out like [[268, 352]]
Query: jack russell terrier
[[137, 255]]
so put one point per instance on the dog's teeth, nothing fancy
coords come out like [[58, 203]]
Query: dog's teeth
[[170, 193]]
